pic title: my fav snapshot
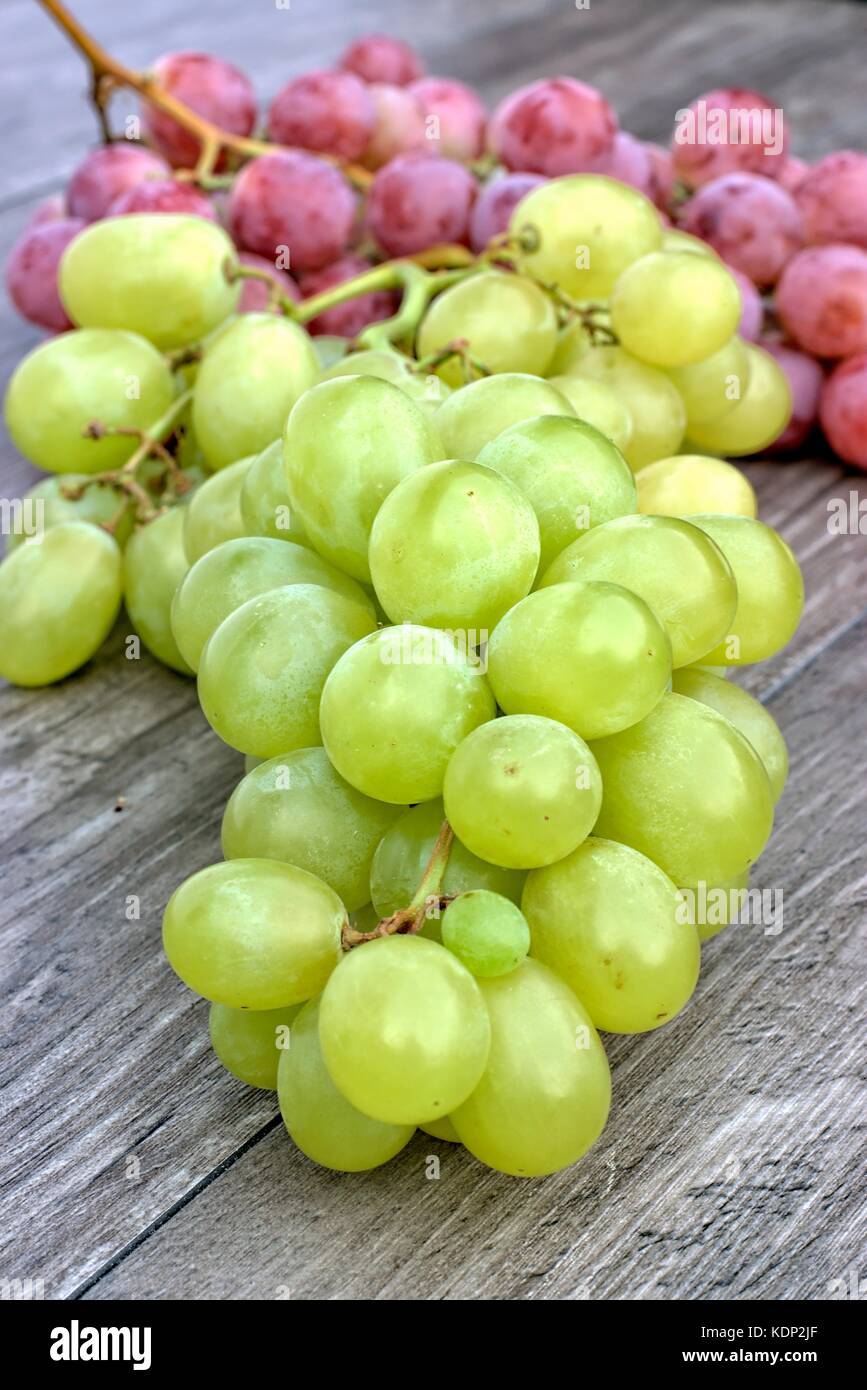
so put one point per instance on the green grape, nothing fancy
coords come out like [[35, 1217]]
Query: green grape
[[582, 231], [712, 387], [442, 1129], [673, 308], [770, 589], [760, 415], [522, 791], [479, 412], [213, 514], [475, 310], [685, 788], [757, 724], [402, 857], [59, 596], [254, 933], [575, 339], [241, 569], [263, 669], [545, 1093], [720, 900], [364, 918], [597, 404], [427, 390], [154, 564], [404, 1030], [673, 239], [265, 506], [487, 933], [667, 562], [75, 379], [592, 655], [690, 483], [454, 545], [297, 809], [655, 407], [396, 706], [249, 1042], [249, 379], [49, 502], [572, 475], [606, 921], [166, 276], [329, 349], [348, 442], [250, 761], [321, 1121]]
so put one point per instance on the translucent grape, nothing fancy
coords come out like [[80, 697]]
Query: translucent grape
[[249, 1042], [294, 203], [597, 405], [213, 513], [255, 294], [685, 788], [544, 1096], [382, 58], [263, 669], [163, 195], [329, 112], [769, 584], [396, 706], [690, 483], [265, 506], [60, 593], [420, 200], [592, 655], [522, 791], [70, 381], [164, 277], [297, 809], [653, 308], [573, 477], [213, 88], [454, 117], [237, 570], [349, 319], [582, 232], [554, 126], [399, 126], [714, 386], [805, 377], [655, 407], [249, 380], [474, 310], [154, 563], [479, 412], [667, 562], [454, 545], [494, 205], [404, 1030], [319, 1118], [821, 300], [843, 410], [47, 504], [750, 221], [726, 130], [487, 933], [832, 198], [348, 442], [756, 723], [253, 933], [107, 172], [31, 272], [755, 420]]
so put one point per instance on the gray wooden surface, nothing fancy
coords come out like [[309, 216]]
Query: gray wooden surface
[[132, 1165]]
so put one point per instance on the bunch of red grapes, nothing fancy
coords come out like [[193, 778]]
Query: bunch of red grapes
[[444, 170]]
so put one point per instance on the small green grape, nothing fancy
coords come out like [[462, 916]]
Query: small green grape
[[213, 513], [154, 564], [265, 506], [249, 1042], [487, 933]]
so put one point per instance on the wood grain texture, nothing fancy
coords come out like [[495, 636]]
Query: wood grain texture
[[136, 1167]]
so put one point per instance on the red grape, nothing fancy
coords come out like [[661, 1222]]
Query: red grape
[[380, 58], [752, 310], [805, 382], [255, 294], [347, 320], [843, 410], [750, 221], [455, 118], [832, 197], [328, 112], [556, 126], [399, 125], [49, 210], [707, 140], [495, 203], [293, 200], [420, 200], [662, 166], [630, 162], [163, 195], [209, 86], [793, 172], [31, 271], [107, 172], [822, 300]]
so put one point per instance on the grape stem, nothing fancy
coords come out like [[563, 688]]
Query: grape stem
[[472, 367], [151, 444], [276, 299], [427, 899]]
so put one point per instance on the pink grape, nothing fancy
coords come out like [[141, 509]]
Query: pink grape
[[420, 200], [31, 271], [662, 175], [752, 310], [629, 161], [493, 208], [455, 118], [843, 410], [822, 300], [294, 200], [51, 209], [212, 88], [805, 381], [347, 320], [793, 173], [752, 223], [328, 112], [556, 126], [700, 156], [381, 58], [399, 126], [104, 174], [255, 294], [163, 195], [832, 197]]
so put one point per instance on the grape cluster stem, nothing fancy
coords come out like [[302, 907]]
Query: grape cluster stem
[[427, 899]]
